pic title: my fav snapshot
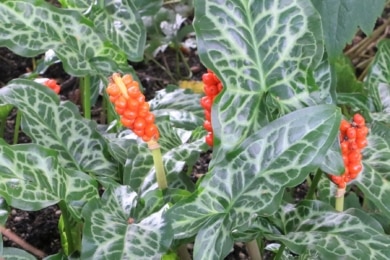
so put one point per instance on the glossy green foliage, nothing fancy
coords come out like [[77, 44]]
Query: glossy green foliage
[[59, 126], [250, 180], [85, 46], [341, 19]]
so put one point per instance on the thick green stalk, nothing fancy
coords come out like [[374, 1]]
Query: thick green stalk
[[280, 252], [339, 204], [17, 126], [253, 250], [158, 164], [314, 183], [68, 231], [85, 86]]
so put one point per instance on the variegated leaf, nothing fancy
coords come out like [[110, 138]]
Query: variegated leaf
[[378, 78], [31, 27], [60, 127], [182, 107], [79, 5], [4, 212], [374, 180], [315, 227], [257, 48], [11, 253], [121, 23], [112, 231], [32, 179], [249, 182]]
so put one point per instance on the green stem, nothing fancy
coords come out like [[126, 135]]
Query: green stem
[[68, 232], [17, 126], [85, 86], [183, 58], [314, 183], [158, 164], [339, 204], [253, 250], [280, 252]]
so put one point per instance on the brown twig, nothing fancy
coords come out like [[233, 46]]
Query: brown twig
[[15, 238]]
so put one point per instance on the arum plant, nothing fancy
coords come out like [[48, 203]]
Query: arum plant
[[277, 119]]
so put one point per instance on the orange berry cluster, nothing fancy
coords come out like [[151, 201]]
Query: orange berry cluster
[[130, 104], [352, 141], [51, 83], [212, 87]]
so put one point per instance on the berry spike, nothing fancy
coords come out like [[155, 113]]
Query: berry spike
[[212, 86], [130, 104], [352, 142]]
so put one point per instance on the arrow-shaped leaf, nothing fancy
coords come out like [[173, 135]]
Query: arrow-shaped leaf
[[31, 27], [32, 179], [250, 181], [257, 47], [315, 227], [121, 23], [60, 127], [112, 231], [374, 180]]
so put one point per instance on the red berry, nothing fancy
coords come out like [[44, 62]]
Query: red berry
[[344, 126], [139, 124], [206, 102], [361, 143], [210, 90], [209, 79], [209, 139], [358, 119], [351, 133], [355, 169], [207, 126], [361, 132]]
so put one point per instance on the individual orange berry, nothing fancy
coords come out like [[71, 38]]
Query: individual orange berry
[[113, 90], [207, 125], [120, 111], [132, 104], [151, 130], [207, 115], [354, 157], [130, 114], [206, 102], [121, 102], [139, 123], [149, 118], [209, 139], [355, 169], [127, 122], [133, 92], [361, 132], [361, 143], [146, 138], [351, 133], [344, 126], [358, 119], [127, 79], [344, 147], [139, 132]]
